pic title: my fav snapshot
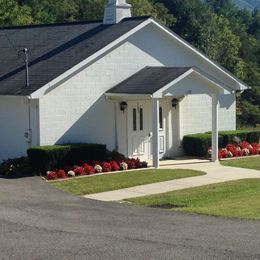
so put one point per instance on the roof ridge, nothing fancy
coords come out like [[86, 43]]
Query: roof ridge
[[137, 17]]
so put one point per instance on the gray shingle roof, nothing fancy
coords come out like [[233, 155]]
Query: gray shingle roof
[[53, 49], [148, 80]]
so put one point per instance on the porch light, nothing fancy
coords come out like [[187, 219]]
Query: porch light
[[123, 106], [175, 102]]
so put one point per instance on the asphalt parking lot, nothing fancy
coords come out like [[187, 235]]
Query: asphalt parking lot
[[40, 222]]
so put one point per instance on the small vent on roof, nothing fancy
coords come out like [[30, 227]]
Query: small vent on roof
[[116, 10]]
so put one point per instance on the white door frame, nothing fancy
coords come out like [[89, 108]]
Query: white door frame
[[163, 127], [138, 125]]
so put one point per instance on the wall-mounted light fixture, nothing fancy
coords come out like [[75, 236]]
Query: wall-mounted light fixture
[[175, 102], [123, 106]]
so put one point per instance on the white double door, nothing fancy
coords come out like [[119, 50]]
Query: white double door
[[140, 129]]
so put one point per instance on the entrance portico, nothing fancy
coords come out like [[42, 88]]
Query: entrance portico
[[153, 130]]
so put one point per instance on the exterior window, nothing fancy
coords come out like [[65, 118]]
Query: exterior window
[[160, 118], [141, 119], [134, 119]]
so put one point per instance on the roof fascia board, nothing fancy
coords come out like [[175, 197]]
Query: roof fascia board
[[159, 93], [241, 84], [80, 66], [127, 95]]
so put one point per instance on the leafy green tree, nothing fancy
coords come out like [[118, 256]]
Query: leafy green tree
[[94, 9], [254, 28], [49, 11], [249, 100], [223, 7], [219, 42], [13, 14], [157, 10]]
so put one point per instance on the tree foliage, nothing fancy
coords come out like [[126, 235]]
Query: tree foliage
[[13, 14]]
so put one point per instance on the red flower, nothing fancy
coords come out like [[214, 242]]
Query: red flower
[[231, 148], [88, 169], [138, 163], [243, 149], [223, 153], [114, 166], [51, 175], [79, 171], [61, 174], [106, 167], [243, 144], [131, 163], [256, 148]]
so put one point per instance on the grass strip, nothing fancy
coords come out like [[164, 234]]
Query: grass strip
[[248, 163], [120, 180], [237, 199]]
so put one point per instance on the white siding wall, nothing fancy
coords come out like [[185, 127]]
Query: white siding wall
[[76, 111], [196, 114], [195, 108], [14, 122], [170, 52]]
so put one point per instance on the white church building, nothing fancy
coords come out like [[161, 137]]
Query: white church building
[[127, 82]]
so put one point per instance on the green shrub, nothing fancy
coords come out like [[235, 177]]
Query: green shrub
[[198, 144], [230, 137], [15, 167], [253, 136], [43, 158]]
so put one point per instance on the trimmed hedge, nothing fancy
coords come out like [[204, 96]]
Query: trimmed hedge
[[229, 137], [198, 144], [44, 158]]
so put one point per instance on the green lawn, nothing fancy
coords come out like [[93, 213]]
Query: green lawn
[[115, 181], [249, 163], [240, 199]]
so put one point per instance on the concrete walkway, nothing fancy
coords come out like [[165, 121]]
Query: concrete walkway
[[216, 173]]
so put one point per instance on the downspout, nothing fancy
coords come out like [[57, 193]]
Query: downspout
[[28, 133], [116, 132]]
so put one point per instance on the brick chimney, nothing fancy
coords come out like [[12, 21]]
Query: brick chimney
[[115, 11]]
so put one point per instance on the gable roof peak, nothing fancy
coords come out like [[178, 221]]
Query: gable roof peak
[[115, 11]]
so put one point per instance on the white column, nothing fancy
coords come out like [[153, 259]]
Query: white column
[[155, 116], [169, 132], [214, 140]]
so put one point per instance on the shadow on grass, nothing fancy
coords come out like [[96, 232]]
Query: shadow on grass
[[166, 206]]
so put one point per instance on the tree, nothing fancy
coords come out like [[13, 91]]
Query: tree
[[223, 7], [219, 42], [13, 14], [49, 11], [94, 9], [254, 28]]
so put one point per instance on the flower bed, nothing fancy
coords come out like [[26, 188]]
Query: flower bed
[[242, 149], [94, 168]]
